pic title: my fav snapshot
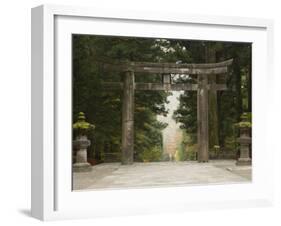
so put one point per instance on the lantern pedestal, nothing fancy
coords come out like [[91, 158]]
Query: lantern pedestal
[[81, 144], [244, 140]]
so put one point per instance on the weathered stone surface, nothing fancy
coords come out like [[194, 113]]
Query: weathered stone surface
[[128, 119], [166, 79], [128, 85], [202, 119], [155, 174], [81, 156], [81, 143], [244, 141], [170, 68], [160, 86], [244, 162], [81, 165]]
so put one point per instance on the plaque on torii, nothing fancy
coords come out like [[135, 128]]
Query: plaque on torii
[[166, 70]]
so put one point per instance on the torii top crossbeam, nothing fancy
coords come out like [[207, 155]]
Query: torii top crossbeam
[[166, 69], [171, 68]]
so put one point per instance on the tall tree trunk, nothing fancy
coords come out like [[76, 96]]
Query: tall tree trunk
[[239, 100], [250, 86], [250, 93], [237, 74]]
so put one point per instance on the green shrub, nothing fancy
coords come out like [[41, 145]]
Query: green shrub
[[81, 127], [151, 155], [246, 119], [180, 153], [191, 152]]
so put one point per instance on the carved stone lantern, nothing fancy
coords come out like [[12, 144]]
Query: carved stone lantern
[[245, 141], [81, 143]]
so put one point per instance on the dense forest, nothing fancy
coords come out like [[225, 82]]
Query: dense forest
[[103, 107]]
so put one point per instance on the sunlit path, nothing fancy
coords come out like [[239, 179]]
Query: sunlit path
[[172, 134]]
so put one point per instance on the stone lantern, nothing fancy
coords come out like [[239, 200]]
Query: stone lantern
[[81, 143], [245, 141]]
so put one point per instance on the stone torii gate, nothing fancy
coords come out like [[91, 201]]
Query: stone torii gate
[[166, 69]]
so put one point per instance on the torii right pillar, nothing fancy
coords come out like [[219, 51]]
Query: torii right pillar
[[202, 119]]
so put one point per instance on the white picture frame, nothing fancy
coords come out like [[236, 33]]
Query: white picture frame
[[52, 197]]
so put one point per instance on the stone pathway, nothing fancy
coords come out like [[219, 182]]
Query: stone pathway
[[172, 134], [155, 174]]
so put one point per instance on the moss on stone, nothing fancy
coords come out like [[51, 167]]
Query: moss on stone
[[81, 126]]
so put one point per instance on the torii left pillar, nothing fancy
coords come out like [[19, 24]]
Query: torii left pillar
[[128, 118]]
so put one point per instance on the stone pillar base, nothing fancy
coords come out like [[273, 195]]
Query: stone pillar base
[[244, 162], [82, 167]]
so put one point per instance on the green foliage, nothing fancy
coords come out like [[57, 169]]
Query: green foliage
[[191, 152], [215, 150], [151, 155], [103, 108], [181, 154], [230, 103], [216, 147], [246, 116], [188, 148], [81, 126], [230, 142], [244, 124]]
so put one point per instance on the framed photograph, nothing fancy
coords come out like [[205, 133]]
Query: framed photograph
[[137, 112]]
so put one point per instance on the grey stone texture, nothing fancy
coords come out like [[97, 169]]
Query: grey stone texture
[[81, 165], [155, 174], [244, 140]]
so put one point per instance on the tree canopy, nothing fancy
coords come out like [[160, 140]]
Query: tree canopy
[[103, 108]]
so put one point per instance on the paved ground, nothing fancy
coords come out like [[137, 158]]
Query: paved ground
[[115, 175]]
